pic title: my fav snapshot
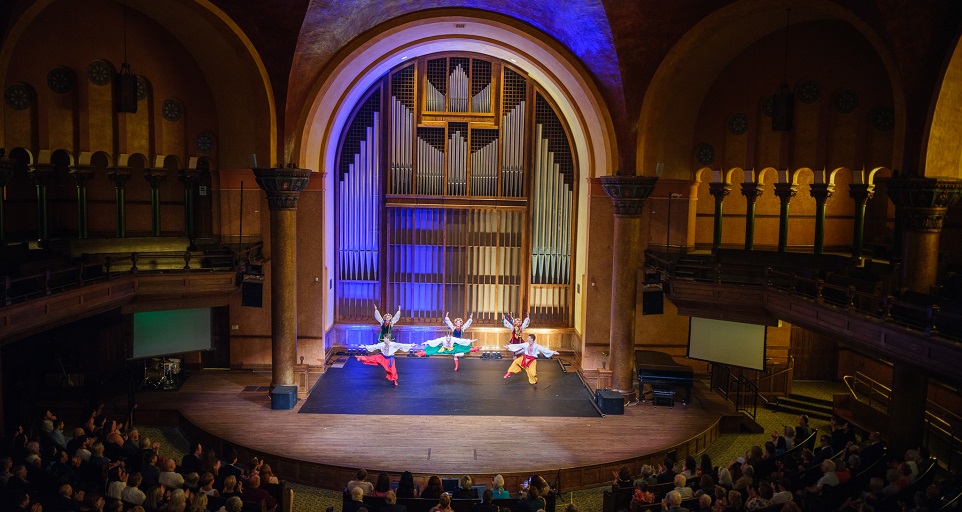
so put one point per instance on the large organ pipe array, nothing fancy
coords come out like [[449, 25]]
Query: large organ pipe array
[[466, 256], [359, 207]]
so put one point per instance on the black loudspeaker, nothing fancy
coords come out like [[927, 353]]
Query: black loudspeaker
[[653, 302], [125, 90], [610, 402], [283, 398], [252, 293], [783, 110]]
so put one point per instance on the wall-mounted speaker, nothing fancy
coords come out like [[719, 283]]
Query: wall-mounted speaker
[[252, 293], [125, 90], [653, 302], [783, 110]]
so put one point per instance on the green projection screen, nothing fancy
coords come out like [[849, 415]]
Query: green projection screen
[[175, 331], [732, 343]]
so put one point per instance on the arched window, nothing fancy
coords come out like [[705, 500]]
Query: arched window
[[455, 191]]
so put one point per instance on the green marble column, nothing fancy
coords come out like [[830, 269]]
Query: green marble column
[[719, 191], [156, 178], [82, 175], [189, 178], [861, 193], [628, 194], [120, 176], [7, 167], [42, 175], [822, 192], [785, 192], [751, 191]]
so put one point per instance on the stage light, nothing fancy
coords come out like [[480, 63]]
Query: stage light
[[351, 352], [411, 353]]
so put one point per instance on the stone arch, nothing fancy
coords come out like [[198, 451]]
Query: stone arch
[[760, 177], [687, 72], [232, 67], [315, 140]]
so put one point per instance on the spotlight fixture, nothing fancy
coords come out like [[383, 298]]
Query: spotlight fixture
[[125, 82]]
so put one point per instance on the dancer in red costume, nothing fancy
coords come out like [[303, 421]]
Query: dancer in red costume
[[385, 357], [517, 327]]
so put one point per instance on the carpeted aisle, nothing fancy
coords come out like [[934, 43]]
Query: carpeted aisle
[[430, 386]]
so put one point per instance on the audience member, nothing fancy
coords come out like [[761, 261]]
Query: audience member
[[672, 502], [433, 490], [191, 461], [487, 503], [360, 480], [499, 492], [132, 492], [383, 485], [444, 504], [253, 492], [170, 477], [357, 500], [465, 491], [406, 487], [390, 503], [622, 478]]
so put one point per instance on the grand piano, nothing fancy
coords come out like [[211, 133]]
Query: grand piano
[[659, 370]]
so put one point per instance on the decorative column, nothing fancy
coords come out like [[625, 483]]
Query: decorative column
[[628, 194], [719, 191], [189, 178], [785, 192], [42, 174], [156, 178], [6, 172], [921, 205], [120, 176], [822, 192], [82, 175], [752, 191], [861, 193], [283, 186]]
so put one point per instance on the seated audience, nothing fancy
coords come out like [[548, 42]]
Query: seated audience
[[357, 500], [499, 492], [672, 502], [383, 485], [465, 491], [406, 487], [444, 504], [253, 492], [390, 503], [487, 503], [360, 480], [433, 490]]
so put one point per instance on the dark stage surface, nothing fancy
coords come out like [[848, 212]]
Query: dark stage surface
[[430, 386]]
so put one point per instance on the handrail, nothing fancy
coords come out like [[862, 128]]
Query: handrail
[[52, 280], [931, 319]]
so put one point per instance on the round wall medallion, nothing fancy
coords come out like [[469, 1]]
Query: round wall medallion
[[883, 118], [705, 154], [205, 142], [809, 91], [738, 124], [172, 110], [18, 96], [60, 80], [768, 105], [845, 101], [142, 88], [99, 72]]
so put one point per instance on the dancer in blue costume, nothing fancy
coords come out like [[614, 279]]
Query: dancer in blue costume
[[459, 326], [387, 322]]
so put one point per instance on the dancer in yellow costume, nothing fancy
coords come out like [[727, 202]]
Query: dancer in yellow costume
[[528, 358]]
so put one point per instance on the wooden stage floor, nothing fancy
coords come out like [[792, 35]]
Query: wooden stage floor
[[218, 408]]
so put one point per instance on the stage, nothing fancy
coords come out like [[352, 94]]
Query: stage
[[221, 408]]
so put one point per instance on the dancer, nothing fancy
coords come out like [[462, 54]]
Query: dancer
[[459, 325], [449, 344], [385, 356], [517, 327], [387, 322], [528, 360]]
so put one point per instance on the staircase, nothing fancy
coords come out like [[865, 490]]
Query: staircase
[[794, 403]]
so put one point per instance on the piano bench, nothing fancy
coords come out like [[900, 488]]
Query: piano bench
[[662, 396]]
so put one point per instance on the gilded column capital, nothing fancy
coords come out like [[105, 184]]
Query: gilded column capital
[[120, 176], [861, 192], [719, 190], [283, 185], [82, 174], [156, 177], [922, 203], [628, 193], [189, 177], [822, 192], [41, 173], [752, 191], [785, 192]]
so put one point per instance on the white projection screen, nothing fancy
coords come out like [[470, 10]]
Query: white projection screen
[[175, 331], [731, 343]]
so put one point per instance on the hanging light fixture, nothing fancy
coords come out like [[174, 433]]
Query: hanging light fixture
[[125, 82], [783, 106]]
